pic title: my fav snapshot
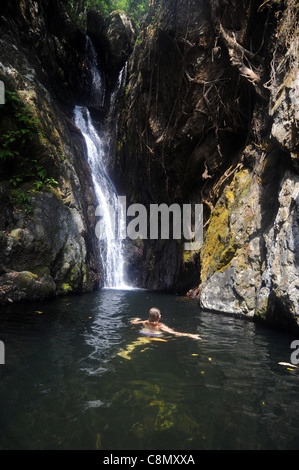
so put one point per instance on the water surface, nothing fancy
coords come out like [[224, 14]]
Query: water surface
[[79, 376]]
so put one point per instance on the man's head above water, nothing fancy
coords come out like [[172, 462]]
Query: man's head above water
[[152, 323], [154, 315]]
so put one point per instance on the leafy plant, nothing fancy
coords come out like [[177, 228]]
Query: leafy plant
[[12, 140], [25, 173], [50, 182], [44, 183], [15, 180], [24, 200]]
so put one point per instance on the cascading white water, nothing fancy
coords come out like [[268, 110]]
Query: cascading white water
[[111, 249], [97, 89], [120, 86]]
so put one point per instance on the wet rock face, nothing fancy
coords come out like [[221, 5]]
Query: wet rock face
[[48, 243]]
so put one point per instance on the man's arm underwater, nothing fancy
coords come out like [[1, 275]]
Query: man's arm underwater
[[176, 333], [165, 328]]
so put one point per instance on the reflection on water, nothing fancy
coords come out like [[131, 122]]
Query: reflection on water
[[104, 333], [78, 375]]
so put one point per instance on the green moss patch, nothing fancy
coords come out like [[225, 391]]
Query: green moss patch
[[220, 243]]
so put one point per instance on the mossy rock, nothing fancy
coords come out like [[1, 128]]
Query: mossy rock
[[17, 286], [66, 288], [220, 243]]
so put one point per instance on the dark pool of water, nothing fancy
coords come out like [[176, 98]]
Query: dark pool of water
[[65, 386]]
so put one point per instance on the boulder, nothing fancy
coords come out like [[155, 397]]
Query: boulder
[[22, 286], [121, 38], [231, 253]]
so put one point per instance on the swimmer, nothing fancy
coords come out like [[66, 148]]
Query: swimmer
[[153, 324]]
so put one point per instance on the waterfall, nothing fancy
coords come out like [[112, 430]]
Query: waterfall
[[122, 77], [97, 89], [111, 249]]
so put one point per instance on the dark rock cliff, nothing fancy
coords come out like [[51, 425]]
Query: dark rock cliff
[[210, 115], [47, 243]]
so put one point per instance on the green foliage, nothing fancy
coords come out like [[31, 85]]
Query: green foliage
[[19, 130], [23, 200], [24, 197], [135, 8], [12, 140]]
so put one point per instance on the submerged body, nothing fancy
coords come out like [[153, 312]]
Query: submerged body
[[148, 331], [152, 330], [153, 327]]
